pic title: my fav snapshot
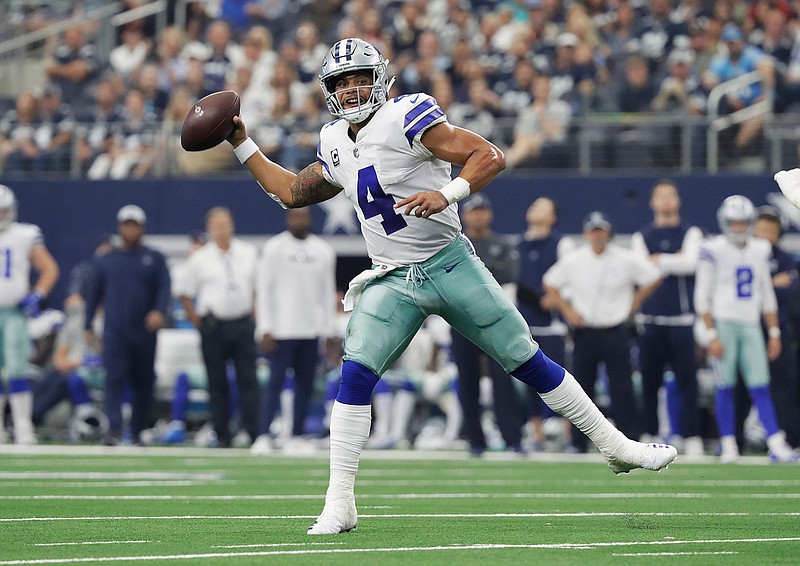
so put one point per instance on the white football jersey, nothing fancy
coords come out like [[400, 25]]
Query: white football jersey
[[16, 243], [386, 164], [734, 283]]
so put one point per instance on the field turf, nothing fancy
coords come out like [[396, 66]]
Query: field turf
[[77, 505]]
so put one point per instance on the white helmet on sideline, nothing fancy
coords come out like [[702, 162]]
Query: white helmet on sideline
[[736, 208], [8, 202]]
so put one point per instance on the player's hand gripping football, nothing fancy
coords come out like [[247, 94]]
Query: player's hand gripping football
[[239, 133], [423, 204], [789, 183]]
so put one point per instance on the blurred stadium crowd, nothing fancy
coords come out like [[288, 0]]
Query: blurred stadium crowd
[[632, 80]]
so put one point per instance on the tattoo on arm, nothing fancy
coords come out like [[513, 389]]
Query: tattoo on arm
[[310, 187]]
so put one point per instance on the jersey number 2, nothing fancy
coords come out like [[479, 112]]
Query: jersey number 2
[[381, 204], [744, 282]]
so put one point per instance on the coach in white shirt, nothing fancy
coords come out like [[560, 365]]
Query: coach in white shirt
[[296, 306], [217, 291], [605, 284]]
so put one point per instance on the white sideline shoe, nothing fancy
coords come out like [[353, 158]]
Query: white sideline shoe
[[337, 517], [651, 456], [729, 450], [262, 446], [299, 446], [780, 451], [693, 446], [26, 439]]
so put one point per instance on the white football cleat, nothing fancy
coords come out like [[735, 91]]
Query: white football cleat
[[337, 517], [780, 451], [262, 446], [789, 183], [728, 450], [650, 456], [693, 446]]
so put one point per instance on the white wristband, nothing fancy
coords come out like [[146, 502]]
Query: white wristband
[[711, 333], [245, 150], [456, 190], [774, 332]]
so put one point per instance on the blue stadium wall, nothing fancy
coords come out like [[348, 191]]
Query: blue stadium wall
[[72, 213]]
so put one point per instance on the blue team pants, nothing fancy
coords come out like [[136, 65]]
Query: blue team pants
[[302, 356], [129, 360], [661, 347]]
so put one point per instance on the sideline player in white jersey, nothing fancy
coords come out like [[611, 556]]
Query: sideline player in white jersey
[[733, 290], [392, 158], [21, 246]]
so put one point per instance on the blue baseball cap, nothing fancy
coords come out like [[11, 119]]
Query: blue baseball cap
[[731, 32]]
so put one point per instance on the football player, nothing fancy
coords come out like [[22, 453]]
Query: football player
[[21, 247], [733, 290], [392, 158]]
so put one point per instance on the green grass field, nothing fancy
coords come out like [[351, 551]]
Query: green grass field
[[67, 505]]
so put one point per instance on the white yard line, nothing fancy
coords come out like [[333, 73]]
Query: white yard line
[[280, 544], [637, 554], [450, 548], [91, 543], [587, 515], [420, 496], [140, 483], [112, 475]]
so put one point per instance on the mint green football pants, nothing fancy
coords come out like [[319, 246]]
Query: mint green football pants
[[743, 350], [15, 345], [454, 284]]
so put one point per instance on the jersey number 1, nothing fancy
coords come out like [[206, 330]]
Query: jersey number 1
[[381, 204], [7, 270]]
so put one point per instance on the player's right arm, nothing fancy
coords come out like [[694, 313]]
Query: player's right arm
[[703, 290], [44, 263], [293, 190]]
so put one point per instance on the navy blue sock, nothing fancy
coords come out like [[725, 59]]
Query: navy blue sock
[[19, 385], [180, 397], [331, 388], [726, 415], [78, 393], [766, 410], [357, 384], [381, 387], [540, 372], [673, 406]]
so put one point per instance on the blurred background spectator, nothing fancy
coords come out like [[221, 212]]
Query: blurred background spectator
[[656, 61]]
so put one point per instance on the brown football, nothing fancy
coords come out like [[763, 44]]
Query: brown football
[[210, 120]]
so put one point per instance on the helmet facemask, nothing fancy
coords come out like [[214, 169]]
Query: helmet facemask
[[349, 56]]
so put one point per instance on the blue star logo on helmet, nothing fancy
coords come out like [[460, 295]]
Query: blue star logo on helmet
[[348, 56]]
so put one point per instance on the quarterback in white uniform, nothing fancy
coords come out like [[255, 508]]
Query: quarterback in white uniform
[[733, 290], [21, 248], [393, 157]]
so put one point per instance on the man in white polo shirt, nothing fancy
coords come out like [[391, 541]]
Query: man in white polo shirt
[[598, 287], [221, 277]]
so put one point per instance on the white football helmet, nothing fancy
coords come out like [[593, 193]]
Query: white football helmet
[[88, 424], [736, 208], [346, 56], [8, 202]]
